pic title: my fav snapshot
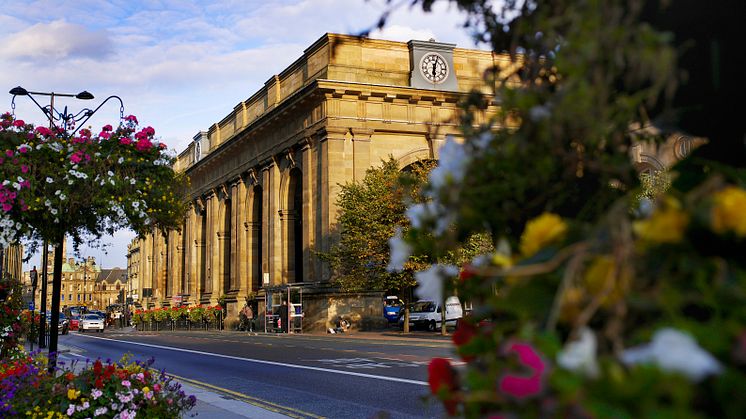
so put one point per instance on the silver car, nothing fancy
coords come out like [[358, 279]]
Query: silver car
[[91, 322]]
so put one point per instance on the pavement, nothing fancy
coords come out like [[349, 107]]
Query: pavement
[[218, 403]]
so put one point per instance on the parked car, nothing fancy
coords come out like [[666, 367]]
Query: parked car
[[63, 326], [91, 322], [427, 314], [392, 308]]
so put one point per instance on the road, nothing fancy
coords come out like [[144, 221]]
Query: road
[[307, 375]]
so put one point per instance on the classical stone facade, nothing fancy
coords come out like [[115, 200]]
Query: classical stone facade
[[265, 179]]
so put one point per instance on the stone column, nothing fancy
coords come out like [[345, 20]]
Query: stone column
[[360, 152], [272, 231], [216, 249], [235, 275], [331, 152], [240, 259], [210, 248], [287, 222], [307, 212]]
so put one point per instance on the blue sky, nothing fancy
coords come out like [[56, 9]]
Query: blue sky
[[179, 65]]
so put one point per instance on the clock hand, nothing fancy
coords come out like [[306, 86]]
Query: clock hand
[[434, 64]]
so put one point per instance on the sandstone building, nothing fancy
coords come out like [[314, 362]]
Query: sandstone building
[[265, 179]]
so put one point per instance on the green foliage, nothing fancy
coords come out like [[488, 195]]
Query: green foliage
[[551, 178], [370, 213]]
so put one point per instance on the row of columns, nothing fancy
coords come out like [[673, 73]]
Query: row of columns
[[262, 225]]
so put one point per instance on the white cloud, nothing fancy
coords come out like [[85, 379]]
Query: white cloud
[[57, 41]]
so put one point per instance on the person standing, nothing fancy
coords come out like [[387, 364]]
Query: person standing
[[284, 316]]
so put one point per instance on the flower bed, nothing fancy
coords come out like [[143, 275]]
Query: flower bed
[[121, 390], [179, 318]]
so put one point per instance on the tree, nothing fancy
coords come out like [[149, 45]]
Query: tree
[[584, 282], [370, 214], [56, 185]]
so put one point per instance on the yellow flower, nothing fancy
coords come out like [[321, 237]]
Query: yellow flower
[[541, 231], [72, 394], [597, 275], [729, 211], [665, 225], [146, 389]]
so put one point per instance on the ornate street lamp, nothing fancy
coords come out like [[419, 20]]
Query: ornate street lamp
[[68, 121]]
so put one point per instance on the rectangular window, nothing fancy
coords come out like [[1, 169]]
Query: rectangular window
[[69, 297], [62, 297], [78, 297]]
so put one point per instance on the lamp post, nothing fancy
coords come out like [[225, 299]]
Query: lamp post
[[68, 121]]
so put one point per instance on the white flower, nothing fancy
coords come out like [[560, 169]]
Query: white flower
[[452, 164], [16, 185], [50, 180], [110, 173], [57, 192], [63, 197], [400, 252], [430, 281], [47, 203], [100, 411], [580, 356], [420, 214], [70, 182], [135, 204], [132, 181], [53, 211], [537, 113], [674, 351], [121, 160]]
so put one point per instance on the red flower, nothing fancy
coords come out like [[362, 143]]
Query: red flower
[[69, 376], [524, 386], [99, 383], [97, 367], [467, 271], [465, 332], [442, 379]]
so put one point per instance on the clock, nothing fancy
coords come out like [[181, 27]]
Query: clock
[[434, 68]]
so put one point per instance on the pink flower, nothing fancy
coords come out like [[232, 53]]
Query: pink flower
[[125, 141], [2, 160], [7, 207], [43, 131], [104, 135], [8, 153], [18, 123], [521, 386], [149, 131], [126, 383], [75, 158], [143, 144], [106, 128], [24, 168], [131, 118]]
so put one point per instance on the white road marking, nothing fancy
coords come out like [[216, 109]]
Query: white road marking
[[261, 361]]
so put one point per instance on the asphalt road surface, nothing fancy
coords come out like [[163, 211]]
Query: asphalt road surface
[[309, 376]]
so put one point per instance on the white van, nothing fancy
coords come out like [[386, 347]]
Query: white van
[[427, 314]]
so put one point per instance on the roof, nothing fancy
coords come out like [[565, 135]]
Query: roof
[[111, 276]]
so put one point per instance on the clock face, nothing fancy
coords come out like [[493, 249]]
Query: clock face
[[434, 68]]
